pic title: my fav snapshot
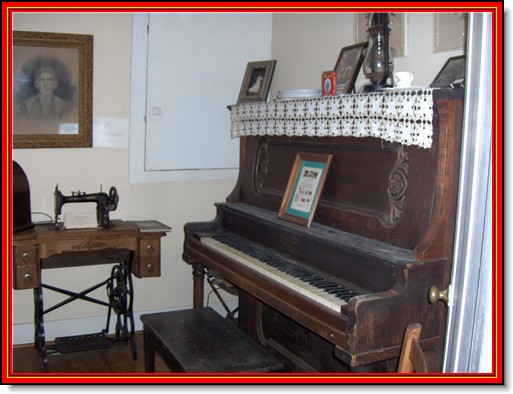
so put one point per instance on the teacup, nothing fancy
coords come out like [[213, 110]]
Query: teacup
[[403, 79]]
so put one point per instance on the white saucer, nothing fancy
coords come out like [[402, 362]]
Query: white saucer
[[298, 93], [407, 88]]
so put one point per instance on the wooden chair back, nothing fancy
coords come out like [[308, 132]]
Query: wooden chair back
[[412, 357]]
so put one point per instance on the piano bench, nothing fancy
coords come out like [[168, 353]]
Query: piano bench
[[201, 340]]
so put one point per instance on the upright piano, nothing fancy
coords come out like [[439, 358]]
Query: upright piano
[[338, 295]]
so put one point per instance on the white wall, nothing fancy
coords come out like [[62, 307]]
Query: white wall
[[305, 45]]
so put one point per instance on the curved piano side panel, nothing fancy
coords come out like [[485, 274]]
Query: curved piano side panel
[[377, 324]]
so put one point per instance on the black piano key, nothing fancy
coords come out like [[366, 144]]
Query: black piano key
[[305, 277], [344, 297], [274, 263], [318, 281], [298, 273], [348, 297], [339, 291], [322, 286], [327, 285], [294, 271]]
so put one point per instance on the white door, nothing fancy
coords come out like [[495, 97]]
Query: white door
[[186, 69]]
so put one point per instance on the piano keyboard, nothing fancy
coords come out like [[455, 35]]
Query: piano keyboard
[[296, 278]]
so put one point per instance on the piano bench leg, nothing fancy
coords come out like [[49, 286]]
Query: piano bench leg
[[149, 351]]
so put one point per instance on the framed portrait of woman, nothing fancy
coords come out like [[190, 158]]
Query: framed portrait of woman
[[51, 90]]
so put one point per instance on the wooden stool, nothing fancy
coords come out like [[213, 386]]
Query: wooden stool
[[201, 340]]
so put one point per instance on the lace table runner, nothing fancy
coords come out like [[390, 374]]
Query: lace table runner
[[403, 116]]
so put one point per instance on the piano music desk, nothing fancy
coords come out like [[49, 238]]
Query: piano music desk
[[124, 245]]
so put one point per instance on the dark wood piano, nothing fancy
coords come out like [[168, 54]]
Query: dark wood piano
[[381, 240]]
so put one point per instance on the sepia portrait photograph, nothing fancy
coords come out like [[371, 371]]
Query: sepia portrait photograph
[[49, 87]]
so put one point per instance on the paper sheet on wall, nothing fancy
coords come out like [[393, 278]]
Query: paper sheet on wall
[[110, 132]]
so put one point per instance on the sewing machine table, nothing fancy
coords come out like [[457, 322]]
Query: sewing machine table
[[123, 244]]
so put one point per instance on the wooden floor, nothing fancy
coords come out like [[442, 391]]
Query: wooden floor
[[115, 359]]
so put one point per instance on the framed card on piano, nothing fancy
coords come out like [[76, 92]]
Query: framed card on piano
[[304, 188]]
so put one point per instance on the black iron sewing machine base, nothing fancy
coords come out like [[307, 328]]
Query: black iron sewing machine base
[[119, 288]]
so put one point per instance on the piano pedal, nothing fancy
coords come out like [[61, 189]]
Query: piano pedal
[[232, 317]]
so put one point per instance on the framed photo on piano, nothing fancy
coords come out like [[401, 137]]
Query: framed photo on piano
[[452, 73], [348, 66], [257, 81], [304, 188]]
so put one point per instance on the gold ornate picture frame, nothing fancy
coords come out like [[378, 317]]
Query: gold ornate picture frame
[[52, 82], [304, 188]]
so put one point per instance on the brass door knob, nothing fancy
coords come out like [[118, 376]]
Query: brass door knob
[[436, 295]]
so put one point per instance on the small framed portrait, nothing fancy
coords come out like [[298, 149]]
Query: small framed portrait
[[52, 77], [304, 188], [452, 74], [257, 81], [348, 66]]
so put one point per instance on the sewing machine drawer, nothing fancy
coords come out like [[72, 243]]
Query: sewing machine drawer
[[147, 263], [25, 267], [149, 247], [148, 267]]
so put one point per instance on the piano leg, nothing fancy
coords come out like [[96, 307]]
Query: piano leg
[[198, 275]]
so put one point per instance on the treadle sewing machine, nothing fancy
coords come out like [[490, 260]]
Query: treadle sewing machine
[[339, 295], [130, 247], [105, 203]]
